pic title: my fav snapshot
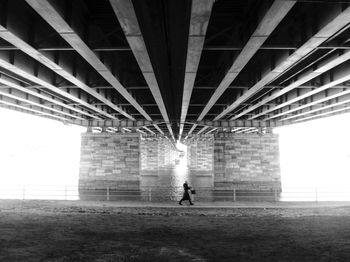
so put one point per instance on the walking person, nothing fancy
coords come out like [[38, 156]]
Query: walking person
[[186, 195]]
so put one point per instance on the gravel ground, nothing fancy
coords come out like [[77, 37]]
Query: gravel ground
[[107, 231]]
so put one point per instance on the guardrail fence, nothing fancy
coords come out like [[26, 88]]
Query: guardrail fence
[[163, 194]]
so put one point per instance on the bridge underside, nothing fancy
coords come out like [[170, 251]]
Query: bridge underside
[[175, 68]]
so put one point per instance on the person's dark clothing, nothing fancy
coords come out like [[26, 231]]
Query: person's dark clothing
[[186, 195]]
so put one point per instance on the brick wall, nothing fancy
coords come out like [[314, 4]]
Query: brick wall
[[156, 154], [110, 160], [246, 161], [200, 155]]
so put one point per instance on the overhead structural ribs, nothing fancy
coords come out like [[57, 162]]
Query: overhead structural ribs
[[200, 15], [44, 97], [124, 10], [331, 64], [270, 21], [322, 69], [29, 102], [29, 50], [327, 31], [129, 124], [16, 70], [35, 111], [56, 21]]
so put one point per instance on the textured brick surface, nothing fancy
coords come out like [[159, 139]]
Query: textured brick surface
[[247, 161], [156, 154], [200, 156], [109, 160]]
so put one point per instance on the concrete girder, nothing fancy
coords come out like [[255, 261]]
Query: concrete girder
[[331, 63], [149, 130], [158, 128], [211, 131], [331, 112], [326, 32], [200, 15], [36, 93], [29, 50], [213, 124], [202, 130], [270, 21], [38, 104], [33, 111], [192, 129], [56, 21], [345, 77], [125, 13], [18, 71], [327, 98]]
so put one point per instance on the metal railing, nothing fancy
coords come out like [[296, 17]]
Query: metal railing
[[162, 193]]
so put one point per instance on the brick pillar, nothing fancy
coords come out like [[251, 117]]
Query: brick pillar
[[109, 160], [247, 161]]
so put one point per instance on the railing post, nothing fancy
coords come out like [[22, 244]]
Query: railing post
[[24, 192], [108, 193], [149, 194], [276, 196], [234, 194], [316, 193], [65, 192]]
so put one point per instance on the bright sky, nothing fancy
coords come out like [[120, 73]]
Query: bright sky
[[36, 150], [316, 153]]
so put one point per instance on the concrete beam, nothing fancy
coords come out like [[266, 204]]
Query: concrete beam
[[210, 131], [331, 63], [149, 130], [308, 94], [192, 129], [318, 109], [18, 71], [158, 128], [332, 112], [37, 104], [202, 130], [124, 11], [270, 21], [34, 111], [35, 93], [56, 21], [236, 123], [326, 32], [40, 57], [200, 15]]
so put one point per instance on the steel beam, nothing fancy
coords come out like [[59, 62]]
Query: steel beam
[[308, 94], [149, 130], [40, 57], [35, 112], [125, 13], [202, 130], [270, 21], [326, 32], [16, 70], [56, 21], [337, 111], [317, 110], [322, 69], [200, 15], [35, 93], [39, 105]]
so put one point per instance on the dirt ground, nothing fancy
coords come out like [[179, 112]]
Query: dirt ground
[[97, 231]]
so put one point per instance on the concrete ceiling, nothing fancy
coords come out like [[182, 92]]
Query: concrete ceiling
[[175, 68]]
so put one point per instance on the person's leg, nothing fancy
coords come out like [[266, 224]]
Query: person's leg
[[180, 202]]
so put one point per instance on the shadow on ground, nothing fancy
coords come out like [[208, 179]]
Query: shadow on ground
[[81, 231]]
